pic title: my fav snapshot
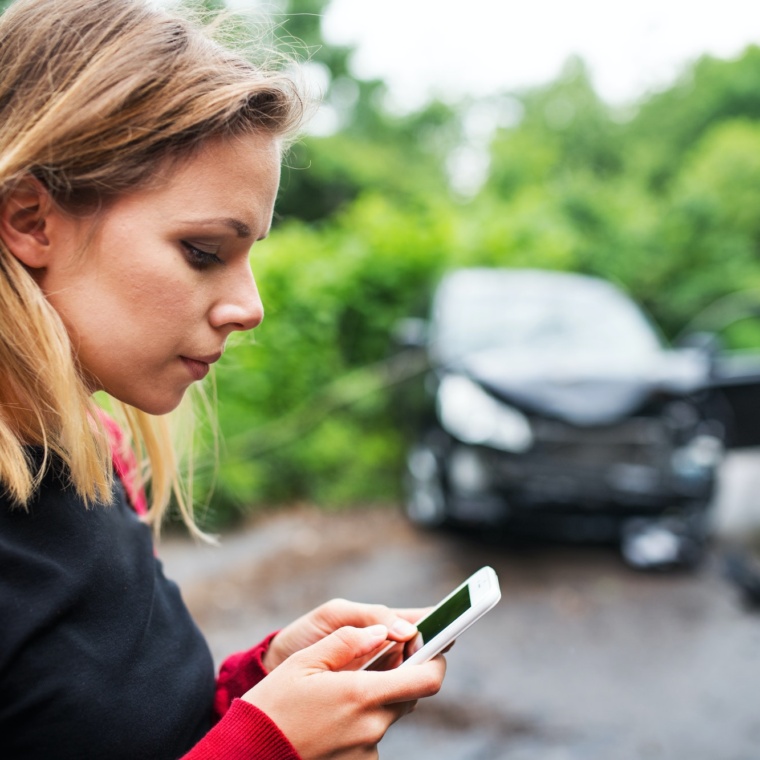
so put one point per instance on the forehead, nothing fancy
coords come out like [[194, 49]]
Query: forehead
[[232, 178], [231, 157]]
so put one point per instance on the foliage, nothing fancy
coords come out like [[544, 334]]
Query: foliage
[[668, 124]]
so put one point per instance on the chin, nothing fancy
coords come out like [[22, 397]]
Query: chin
[[162, 406], [154, 405]]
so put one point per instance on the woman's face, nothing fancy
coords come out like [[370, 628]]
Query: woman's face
[[166, 277]]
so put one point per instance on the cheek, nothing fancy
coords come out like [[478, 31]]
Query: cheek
[[159, 301], [126, 315], [153, 317], [158, 288]]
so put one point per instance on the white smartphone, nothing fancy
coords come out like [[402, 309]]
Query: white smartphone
[[450, 618]]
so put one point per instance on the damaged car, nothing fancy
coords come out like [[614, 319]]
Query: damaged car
[[553, 401]]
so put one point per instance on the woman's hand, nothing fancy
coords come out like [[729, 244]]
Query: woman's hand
[[327, 709], [335, 614]]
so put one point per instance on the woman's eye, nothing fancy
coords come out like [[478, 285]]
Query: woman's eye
[[198, 258]]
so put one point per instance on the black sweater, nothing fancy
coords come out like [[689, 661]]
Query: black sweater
[[99, 657]]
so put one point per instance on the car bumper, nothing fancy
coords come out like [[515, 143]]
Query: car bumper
[[625, 471]]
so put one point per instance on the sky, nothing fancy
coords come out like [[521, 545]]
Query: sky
[[451, 48]]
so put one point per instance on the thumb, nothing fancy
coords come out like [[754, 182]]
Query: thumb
[[342, 647]]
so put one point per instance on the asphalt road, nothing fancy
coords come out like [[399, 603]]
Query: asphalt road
[[583, 658]]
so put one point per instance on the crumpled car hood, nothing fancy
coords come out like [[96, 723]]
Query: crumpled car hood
[[585, 390]]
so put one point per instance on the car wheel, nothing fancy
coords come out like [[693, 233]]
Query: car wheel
[[672, 541], [425, 503]]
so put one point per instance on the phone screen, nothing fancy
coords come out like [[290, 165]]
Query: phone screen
[[454, 614], [443, 616]]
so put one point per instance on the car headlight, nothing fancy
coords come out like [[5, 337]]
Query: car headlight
[[471, 415]]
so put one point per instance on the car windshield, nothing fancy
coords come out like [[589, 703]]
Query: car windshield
[[476, 311]]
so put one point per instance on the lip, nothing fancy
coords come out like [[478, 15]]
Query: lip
[[199, 366]]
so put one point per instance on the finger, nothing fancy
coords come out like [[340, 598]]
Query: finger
[[391, 656], [413, 614], [400, 627], [401, 630], [400, 709], [409, 683], [340, 612], [338, 650]]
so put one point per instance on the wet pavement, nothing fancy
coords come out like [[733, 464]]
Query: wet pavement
[[583, 658]]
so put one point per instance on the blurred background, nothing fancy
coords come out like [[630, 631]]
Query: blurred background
[[617, 142], [458, 136]]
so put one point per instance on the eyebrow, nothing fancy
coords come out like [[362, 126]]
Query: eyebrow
[[241, 228]]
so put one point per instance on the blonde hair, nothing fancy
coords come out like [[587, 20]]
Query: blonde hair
[[94, 95]]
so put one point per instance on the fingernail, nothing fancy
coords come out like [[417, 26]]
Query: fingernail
[[403, 629], [379, 632]]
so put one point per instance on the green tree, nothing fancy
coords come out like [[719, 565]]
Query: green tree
[[709, 228], [370, 149], [670, 123], [565, 128]]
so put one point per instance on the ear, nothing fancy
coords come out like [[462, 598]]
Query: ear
[[23, 220]]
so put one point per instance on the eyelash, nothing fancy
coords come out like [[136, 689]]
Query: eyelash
[[200, 259]]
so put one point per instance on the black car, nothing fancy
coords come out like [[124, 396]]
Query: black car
[[552, 401]]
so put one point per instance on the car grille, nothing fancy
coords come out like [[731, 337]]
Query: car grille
[[625, 462], [639, 440]]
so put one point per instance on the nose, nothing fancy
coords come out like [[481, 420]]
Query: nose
[[239, 306]]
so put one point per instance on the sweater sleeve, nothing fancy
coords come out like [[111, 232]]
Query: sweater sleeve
[[244, 733], [239, 673]]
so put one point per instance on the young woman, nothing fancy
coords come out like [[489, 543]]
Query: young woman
[[139, 162]]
